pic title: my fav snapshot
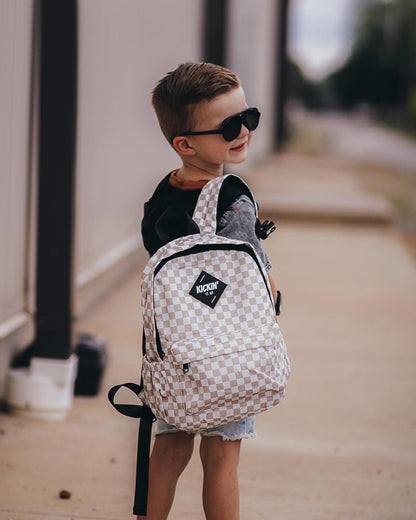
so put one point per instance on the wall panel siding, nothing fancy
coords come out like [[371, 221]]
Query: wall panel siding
[[252, 54], [124, 49], [16, 323], [15, 61]]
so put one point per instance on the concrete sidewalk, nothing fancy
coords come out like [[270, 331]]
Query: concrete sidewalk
[[317, 188], [341, 446]]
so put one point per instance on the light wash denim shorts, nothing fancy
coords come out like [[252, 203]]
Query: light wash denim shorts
[[243, 429]]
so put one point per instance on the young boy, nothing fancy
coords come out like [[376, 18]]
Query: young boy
[[202, 112]]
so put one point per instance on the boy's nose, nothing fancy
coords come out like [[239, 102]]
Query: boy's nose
[[244, 131]]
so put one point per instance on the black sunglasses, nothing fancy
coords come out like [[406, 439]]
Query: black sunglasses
[[231, 126]]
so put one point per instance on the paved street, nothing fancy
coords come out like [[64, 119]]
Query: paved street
[[359, 138]]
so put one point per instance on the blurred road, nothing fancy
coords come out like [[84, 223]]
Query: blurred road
[[357, 137]]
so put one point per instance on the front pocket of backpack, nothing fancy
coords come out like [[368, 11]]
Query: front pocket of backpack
[[220, 371]]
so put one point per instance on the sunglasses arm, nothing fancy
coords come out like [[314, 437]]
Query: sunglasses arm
[[205, 132]]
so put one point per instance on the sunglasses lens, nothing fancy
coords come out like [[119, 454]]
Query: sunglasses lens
[[251, 118], [232, 128]]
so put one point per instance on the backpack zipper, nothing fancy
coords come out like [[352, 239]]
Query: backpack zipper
[[204, 247], [198, 249]]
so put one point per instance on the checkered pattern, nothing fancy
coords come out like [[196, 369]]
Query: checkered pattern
[[223, 363]]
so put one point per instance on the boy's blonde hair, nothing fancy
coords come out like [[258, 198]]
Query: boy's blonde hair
[[190, 83]]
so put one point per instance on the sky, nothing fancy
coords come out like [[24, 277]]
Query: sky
[[320, 34]]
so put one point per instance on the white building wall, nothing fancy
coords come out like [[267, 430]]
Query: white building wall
[[125, 47], [16, 325], [251, 44]]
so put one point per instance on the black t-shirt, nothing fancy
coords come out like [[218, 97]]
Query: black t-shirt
[[168, 213]]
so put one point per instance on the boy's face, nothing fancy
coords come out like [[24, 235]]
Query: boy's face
[[212, 151]]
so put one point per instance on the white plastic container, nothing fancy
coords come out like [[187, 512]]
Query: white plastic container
[[43, 391]]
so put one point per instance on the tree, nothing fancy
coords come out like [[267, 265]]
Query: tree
[[302, 88], [381, 70]]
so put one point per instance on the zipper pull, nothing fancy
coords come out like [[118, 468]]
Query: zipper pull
[[185, 368]]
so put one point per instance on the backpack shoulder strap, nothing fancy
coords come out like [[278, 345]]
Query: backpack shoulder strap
[[205, 213]]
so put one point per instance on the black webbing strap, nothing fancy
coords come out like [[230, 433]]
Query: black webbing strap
[[146, 417], [142, 467]]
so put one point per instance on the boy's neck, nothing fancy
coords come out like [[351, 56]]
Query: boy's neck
[[192, 172]]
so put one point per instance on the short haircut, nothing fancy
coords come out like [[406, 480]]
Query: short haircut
[[190, 83]]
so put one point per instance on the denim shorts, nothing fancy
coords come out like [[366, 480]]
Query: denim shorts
[[234, 431]]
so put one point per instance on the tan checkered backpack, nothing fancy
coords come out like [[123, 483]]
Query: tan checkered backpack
[[213, 352]]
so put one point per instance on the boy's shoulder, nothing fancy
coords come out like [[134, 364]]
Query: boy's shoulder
[[168, 213]]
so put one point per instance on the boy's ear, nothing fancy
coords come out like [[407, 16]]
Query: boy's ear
[[181, 144]]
